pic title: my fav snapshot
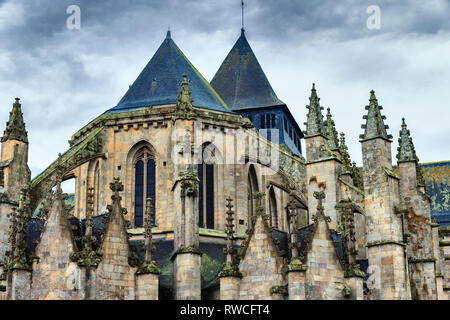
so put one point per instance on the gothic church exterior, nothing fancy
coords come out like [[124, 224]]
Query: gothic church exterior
[[195, 190]]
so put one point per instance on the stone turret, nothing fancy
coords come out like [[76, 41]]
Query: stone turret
[[384, 237], [14, 171], [417, 221]]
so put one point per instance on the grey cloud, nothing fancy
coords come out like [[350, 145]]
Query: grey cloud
[[66, 78]]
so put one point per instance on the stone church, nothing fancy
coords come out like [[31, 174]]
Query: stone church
[[194, 190]]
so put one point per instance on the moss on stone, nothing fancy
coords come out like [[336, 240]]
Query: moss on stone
[[149, 268], [279, 290], [297, 265], [190, 249], [230, 270]]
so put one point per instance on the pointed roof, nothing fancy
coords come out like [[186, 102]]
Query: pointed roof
[[160, 82], [374, 127], [240, 80], [314, 119], [330, 131], [15, 127], [406, 150]]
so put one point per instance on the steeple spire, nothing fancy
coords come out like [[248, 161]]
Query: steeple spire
[[374, 127], [15, 127], [406, 150], [330, 132], [314, 120], [343, 149]]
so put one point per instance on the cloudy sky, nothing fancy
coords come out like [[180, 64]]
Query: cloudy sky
[[65, 78]]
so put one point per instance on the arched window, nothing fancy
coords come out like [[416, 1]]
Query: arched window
[[252, 187], [273, 208], [206, 188], [96, 188], [144, 185]]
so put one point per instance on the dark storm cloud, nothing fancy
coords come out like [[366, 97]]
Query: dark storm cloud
[[68, 77]]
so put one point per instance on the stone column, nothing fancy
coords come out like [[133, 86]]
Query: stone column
[[296, 284], [355, 284], [187, 256], [229, 288], [19, 285], [147, 286]]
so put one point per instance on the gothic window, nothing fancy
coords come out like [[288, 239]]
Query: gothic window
[[96, 188], [273, 209], [206, 188], [144, 185], [285, 125], [273, 121], [263, 123], [252, 187]]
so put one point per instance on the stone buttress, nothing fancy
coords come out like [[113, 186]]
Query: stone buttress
[[417, 220], [384, 236], [261, 263], [323, 166], [114, 278], [54, 275]]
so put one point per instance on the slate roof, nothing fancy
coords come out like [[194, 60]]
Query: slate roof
[[160, 82], [437, 181], [36, 227], [241, 82], [211, 264]]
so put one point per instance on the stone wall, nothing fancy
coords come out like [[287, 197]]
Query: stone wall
[[55, 277], [147, 286], [114, 277], [324, 276], [324, 175], [390, 270], [5, 222], [260, 267]]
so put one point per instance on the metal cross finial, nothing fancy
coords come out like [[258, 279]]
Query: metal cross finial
[[242, 4]]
